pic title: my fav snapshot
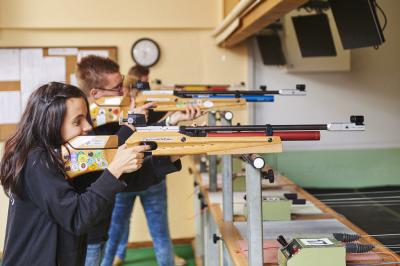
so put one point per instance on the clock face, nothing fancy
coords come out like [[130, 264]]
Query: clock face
[[145, 52]]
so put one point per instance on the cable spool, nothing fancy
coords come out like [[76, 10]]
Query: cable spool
[[343, 237], [358, 248]]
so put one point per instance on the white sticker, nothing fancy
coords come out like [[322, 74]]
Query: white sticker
[[158, 139], [317, 242], [112, 100], [158, 99], [158, 92], [208, 104], [81, 140], [101, 117]]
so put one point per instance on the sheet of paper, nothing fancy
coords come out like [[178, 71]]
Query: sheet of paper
[[31, 62], [37, 70], [83, 53], [63, 51], [53, 69], [73, 80], [10, 107], [9, 65]]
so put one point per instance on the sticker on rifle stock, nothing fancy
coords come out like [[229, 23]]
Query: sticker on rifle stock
[[101, 117], [83, 160], [158, 92], [158, 99], [113, 101], [208, 104], [159, 139], [80, 141]]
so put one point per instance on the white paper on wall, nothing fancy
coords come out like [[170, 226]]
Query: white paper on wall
[[30, 63], [10, 107], [9, 65], [73, 80], [53, 69], [63, 51], [83, 53], [37, 70]]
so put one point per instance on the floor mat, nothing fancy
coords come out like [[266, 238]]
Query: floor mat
[[146, 256]]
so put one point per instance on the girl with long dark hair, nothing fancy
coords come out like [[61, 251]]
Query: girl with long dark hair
[[47, 217]]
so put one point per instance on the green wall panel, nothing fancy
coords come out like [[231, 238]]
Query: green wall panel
[[339, 168]]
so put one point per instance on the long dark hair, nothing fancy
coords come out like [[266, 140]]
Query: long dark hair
[[39, 127]]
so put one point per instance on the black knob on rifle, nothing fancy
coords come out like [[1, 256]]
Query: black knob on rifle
[[216, 238], [301, 87], [263, 87], [357, 119], [269, 175]]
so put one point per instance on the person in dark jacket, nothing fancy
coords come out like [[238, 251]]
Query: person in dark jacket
[[98, 77], [153, 199], [48, 219]]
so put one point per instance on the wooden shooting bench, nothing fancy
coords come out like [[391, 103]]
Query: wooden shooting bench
[[232, 235]]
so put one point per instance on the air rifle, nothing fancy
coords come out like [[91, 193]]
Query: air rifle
[[167, 99], [109, 109], [92, 153]]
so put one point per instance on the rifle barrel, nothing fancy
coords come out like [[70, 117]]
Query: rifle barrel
[[238, 94], [254, 128]]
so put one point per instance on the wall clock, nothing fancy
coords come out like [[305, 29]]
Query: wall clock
[[145, 52]]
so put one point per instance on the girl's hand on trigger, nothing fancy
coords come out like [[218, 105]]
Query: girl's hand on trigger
[[127, 160]]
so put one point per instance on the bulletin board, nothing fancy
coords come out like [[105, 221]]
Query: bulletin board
[[22, 70]]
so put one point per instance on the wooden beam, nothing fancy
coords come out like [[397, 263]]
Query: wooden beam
[[6, 130], [265, 13], [10, 86]]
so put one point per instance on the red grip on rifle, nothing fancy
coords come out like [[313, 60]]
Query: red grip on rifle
[[284, 135]]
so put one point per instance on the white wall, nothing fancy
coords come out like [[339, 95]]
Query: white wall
[[371, 88]]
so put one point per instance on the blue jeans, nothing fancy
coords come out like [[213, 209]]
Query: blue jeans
[[94, 253], [154, 201]]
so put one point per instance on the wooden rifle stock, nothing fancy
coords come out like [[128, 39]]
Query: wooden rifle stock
[[175, 143], [86, 154], [168, 102], [109, 109]]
